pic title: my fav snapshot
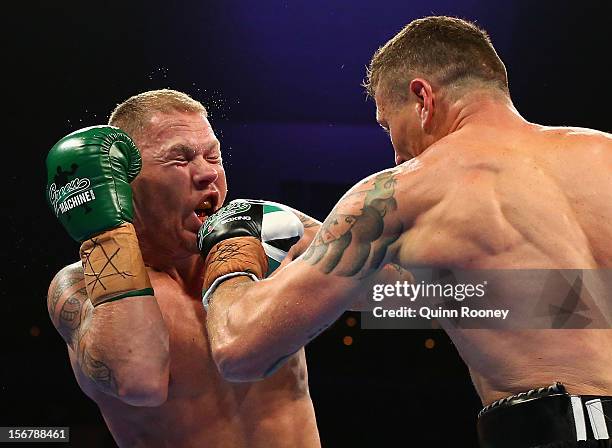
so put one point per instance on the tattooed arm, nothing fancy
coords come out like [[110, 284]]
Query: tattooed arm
[[118, 348], [254, 327]]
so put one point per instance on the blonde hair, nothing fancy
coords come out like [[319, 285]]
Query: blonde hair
[[132, 115]]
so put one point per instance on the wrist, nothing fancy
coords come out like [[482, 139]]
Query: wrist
[[238, 254], [113, 266], [234, 277]]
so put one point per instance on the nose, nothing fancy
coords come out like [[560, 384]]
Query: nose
[[204, 174]]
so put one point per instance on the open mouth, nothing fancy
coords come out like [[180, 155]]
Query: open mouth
[[206, 206], [204, 209]]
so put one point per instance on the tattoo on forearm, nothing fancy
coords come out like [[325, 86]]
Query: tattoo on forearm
[[347, 243]]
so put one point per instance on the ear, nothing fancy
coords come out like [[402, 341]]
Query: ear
[[420, 88]]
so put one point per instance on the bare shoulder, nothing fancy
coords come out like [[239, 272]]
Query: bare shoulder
[[67, 301], [578, 133], [355, 237]]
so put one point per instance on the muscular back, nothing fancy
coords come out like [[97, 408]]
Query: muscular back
[[534, 198]]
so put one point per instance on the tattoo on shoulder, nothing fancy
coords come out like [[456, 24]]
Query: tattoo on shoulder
[[355, 237], [70, 314], [66, 301], [63, 284]]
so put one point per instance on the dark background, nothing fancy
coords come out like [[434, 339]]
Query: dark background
[[281, 81]]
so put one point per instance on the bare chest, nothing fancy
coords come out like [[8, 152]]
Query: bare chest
[[192, 370]]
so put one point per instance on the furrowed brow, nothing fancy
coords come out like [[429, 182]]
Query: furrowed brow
[[214, 148], [180, 149]]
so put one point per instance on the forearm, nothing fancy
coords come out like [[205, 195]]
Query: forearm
[[119, 348], [123, 350], [254, 326]]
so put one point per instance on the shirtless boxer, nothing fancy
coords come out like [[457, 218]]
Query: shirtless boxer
[[476, 187], [144, 358]]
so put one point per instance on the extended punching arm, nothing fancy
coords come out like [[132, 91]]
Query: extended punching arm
[[257, 325]]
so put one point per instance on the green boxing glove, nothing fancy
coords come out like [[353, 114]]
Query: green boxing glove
[[88, 188], [264, 231], [88, 180]]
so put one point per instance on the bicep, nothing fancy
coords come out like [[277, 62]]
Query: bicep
[[356, 237], [354, 242]]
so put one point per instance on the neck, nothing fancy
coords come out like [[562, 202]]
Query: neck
[[187, 270], [482, 108]]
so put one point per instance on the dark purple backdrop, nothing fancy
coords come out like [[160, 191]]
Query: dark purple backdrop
[[282, 82]]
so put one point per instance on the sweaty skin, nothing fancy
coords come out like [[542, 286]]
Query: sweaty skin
[[188, 403], [478, 187]]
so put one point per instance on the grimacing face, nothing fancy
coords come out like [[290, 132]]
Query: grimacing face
[[182, 181]]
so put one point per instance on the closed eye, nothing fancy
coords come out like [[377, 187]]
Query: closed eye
[[181, 153]]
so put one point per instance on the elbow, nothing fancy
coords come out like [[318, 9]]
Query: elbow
[[237, 372], [144, 390], [236, 363], [145, 384]]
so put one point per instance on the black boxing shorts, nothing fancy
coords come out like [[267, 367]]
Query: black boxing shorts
[[548, 417]]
